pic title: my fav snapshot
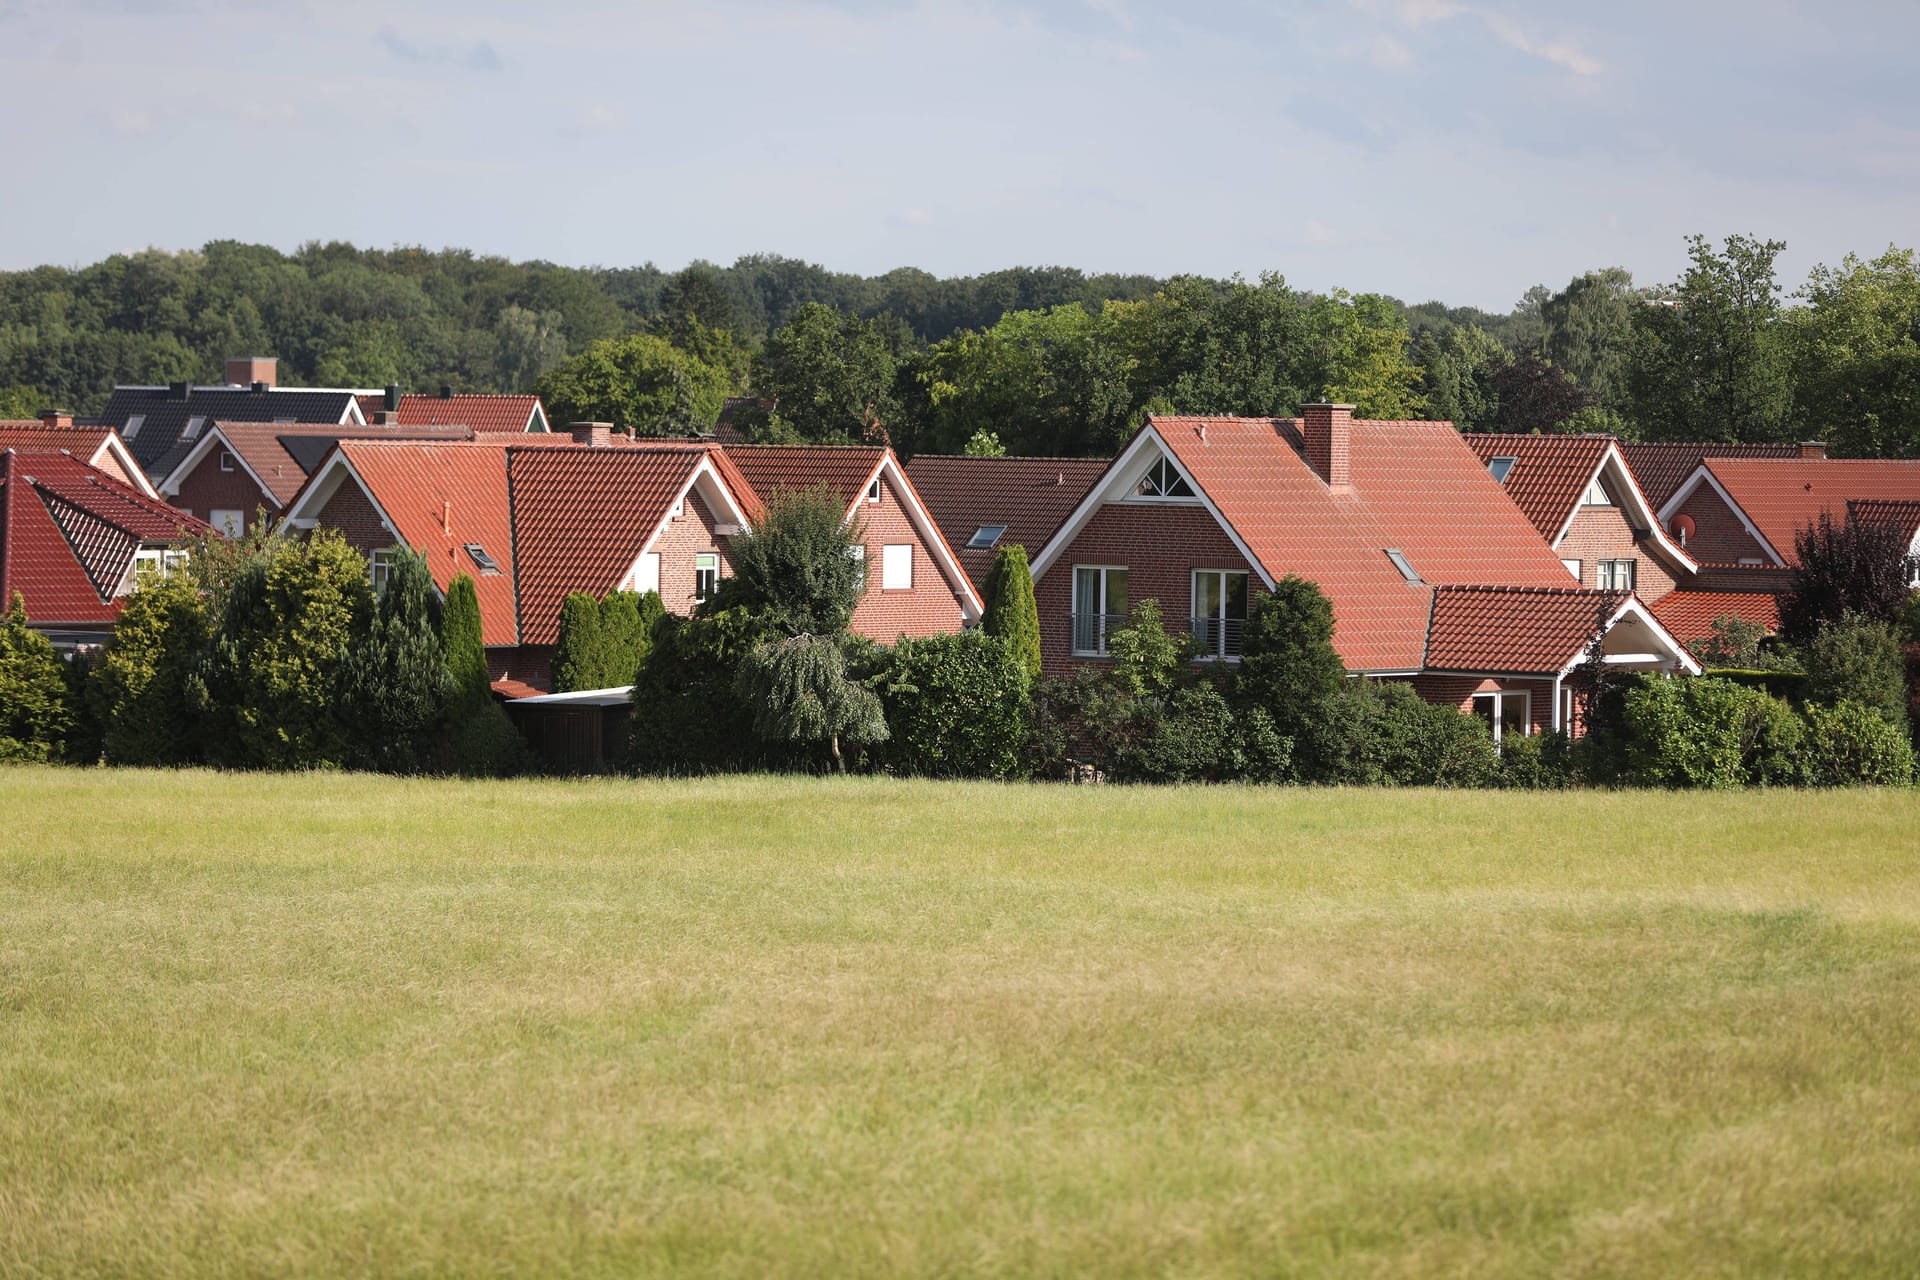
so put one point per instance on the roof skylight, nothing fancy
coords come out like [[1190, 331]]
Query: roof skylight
[[1401, 563], [488, 566], [985, 536], [1498, 468]]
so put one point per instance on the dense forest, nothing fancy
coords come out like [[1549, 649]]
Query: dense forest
[[1028, 360]]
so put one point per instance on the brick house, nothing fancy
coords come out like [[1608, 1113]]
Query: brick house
[[236, 469], [99, 447], [1435, 576], [1582, 496], [1738, 516], [74, 540]]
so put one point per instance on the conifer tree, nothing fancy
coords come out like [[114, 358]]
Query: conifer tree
[[624, 639], [35, 713], [481, 741], [397, 684], [579, 652], [460, 639], [1290, 669], [1010, 610]]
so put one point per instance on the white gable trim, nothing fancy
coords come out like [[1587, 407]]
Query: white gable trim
[[717, 493], [1614, 463], [116, 448], [971, 607], [1106, 489], [201, 450], [1631, 607], [1704, 475], [304, 511]]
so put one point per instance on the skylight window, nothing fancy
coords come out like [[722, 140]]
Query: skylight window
[[1401, 563], [488, 566], [132, 428], [985, 536], [1498, 468], [192, 430], [1163, 480]]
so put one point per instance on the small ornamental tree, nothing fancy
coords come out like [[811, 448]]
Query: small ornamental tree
[[466, 656], [275, 672], [796, 570], [625, 635], [140, 686], [36, 715], [799, 692], [397, 686], [1290, 669], [481, 741], [1011, 613], [579, 657], [1857, 659], [1853, 566], [956, 706]]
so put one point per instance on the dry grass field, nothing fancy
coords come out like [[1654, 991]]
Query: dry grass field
[[313, 1025]]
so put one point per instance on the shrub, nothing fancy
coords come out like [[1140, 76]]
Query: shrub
[[1853, 745], [1780, 682], [1857, 659], [274, 675], [397, 686], [1854, 567], [1010, 612], [141, 684], [1390, 735], [686, 716], [1147, 661], [626, 632], [1536, 762], [1710, 733], [798, 691], [956, 705], [1291, 671], [36, 712], [578, 652], [796, 570]]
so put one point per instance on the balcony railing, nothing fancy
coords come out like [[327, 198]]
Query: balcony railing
[[1090, 632], [1217, 637]]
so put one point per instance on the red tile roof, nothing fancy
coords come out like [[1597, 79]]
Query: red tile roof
[[1030, 496], [1519, 630], [481, 412], [1784, 495], [440, 497], [1690, 615], [263, 447], [845, 469], [82, 442], [1902, 513], [1549, 474], [68, 534], [582, 516], [1661, 468]]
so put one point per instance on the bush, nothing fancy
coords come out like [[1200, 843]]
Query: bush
[[1388, 734], [1538, 762], [397, 687], [957, 706], [1291, 671], [1854, 567], [36, 712], [626, 632], [141, 684], [1781, 682], [1010, 612], [686, 716], [1857, 659], [1710, 733], [1853, 745]]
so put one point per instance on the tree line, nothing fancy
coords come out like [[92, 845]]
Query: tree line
[[1029, 360]]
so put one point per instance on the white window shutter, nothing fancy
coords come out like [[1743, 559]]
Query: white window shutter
[[896, 566]]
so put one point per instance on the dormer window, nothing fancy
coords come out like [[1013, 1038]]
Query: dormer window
[[488, 566], [1499, 467], [985, 536], [1163, 480], [1404, 565], [1596, 495]]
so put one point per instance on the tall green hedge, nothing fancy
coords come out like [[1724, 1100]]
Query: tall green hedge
[[1010, 612], [957, 706]]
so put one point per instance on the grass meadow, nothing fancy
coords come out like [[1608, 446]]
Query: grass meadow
[[323, 1025]]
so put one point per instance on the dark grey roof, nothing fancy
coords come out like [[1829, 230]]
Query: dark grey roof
[[157, 445]]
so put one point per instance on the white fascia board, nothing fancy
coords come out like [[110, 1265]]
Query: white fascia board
[[314, 496], [1704, 475], [1631, 607], [971, 606], [1103, 492], [1641, 512], [116, 448], [714, 489], [198, 454]]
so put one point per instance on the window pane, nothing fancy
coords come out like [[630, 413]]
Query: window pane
[[1086, 591], [1236, 593], [1513, 713], [1116, 591], [1206, 595]]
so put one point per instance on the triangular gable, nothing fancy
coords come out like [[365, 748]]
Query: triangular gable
[[1703, 475], [1640, 513]]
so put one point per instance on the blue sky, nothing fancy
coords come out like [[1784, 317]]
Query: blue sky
[[1425, 148]]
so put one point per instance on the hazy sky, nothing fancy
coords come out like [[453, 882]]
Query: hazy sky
[[1426, 148]]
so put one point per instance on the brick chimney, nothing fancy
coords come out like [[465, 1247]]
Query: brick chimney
[[595, 434], [56, 418], [1327, 431], [1813, 448], [244, 371]]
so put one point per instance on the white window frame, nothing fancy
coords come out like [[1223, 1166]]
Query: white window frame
[[163, 561], [133, 426], [1573, 567], [1526, 714], [858, 554], [646, 574], [873, 490], [1498, 471], [705, 562], [1596, 494], [1607, 576], [1168, 473], [896, 566], [1193, 608], [379, 568], [234, 527], [194, 426], [1100, 632], [227, 462]]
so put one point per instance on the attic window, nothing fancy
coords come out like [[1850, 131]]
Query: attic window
[[1498, 468], [132, 428], [489, 567], [1596, 495], [192, 430], [985, 536], [873, 490], [1401, 563], [1163, 480]]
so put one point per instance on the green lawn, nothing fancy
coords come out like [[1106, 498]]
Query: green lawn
[[342, 1025]]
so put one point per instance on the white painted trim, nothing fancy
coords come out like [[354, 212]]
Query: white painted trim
[[1640, 613], [319, 491], [1615, 463], [1704, 475], [1097, 497], [1526, 719], [116, 448], [971, 607], [1073, 605], [198, 454]]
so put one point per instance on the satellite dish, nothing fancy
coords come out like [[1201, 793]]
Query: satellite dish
[[1683, 528]]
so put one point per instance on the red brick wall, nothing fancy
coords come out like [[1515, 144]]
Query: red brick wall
[[349, 511], [1458, 691], [1718, 536], [529, 663], [1604, 533], [1159, 544], [688, 535], [207, 489], [111, 465], [927, 608]]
